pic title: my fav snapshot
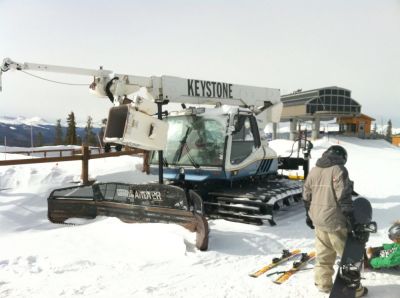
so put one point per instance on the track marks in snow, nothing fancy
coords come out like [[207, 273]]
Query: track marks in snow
[[4, 263], [75, 266], [21, 265]]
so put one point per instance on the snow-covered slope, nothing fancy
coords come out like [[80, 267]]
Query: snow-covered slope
[[34, 121], [108, 258], [21, 131], [37, 122]]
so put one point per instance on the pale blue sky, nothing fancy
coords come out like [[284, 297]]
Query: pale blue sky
[[281, 44]]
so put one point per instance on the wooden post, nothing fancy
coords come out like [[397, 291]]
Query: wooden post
[[85, 164], [146, 165]]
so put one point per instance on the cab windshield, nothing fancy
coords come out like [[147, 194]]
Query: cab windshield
[[195, 141]]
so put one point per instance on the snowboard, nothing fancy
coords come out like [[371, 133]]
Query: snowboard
[[348, 276]]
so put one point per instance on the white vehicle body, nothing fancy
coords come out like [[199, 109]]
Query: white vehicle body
[[263, 102]]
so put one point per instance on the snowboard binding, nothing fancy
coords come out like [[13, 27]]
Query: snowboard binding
[[361, 231], [350, 273]]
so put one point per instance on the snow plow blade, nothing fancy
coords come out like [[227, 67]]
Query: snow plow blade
[[131, 203]]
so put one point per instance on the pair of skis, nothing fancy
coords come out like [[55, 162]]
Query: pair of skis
[[286, 256]]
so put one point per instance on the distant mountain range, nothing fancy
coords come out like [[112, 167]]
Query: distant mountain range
[[17, 131]]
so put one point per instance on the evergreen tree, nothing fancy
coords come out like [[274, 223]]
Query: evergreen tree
[[374, 133], [79, 139], [102, 130], [70, 137], [389, 131], [90, 137], [58, 140], [39, 139], [375, 129]]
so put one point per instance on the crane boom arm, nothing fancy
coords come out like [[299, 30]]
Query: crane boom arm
[[178, 90], [10, 64], [106, 82]]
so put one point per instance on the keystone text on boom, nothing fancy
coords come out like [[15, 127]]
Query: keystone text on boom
[[209, 89]]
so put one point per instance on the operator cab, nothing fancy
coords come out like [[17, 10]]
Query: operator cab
[[195, 140], [218, 143]]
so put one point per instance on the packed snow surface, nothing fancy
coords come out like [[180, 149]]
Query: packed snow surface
[[108, 258]]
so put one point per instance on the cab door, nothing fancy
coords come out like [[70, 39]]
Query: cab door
[[245, 139]]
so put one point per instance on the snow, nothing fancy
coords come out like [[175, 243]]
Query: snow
[[108, 258]]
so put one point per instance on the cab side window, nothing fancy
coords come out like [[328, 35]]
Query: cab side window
[[244, 139]]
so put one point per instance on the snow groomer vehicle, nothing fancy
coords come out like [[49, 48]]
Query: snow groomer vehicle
[[207, 145]]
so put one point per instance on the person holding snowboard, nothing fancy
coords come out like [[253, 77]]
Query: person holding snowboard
[[387, 255], [327, 196]]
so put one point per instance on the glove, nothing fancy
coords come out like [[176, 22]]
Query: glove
[[309, 222]]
